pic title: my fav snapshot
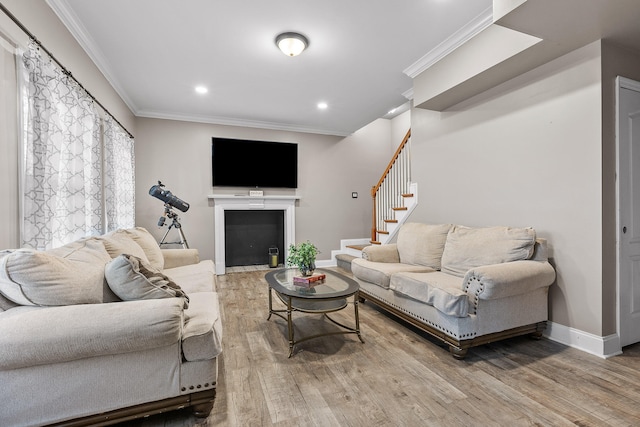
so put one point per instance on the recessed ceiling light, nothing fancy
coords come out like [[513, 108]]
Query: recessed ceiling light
[[322, 105], [201, 90]]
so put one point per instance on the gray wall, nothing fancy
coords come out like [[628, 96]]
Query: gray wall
[[526, 153], [40, 20], [44, 24], [9, 231], [330, 169]]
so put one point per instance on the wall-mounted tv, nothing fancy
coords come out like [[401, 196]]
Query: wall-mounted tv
[[250, 163]]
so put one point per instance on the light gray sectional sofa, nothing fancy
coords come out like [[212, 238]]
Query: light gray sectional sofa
[[465, 286], [106, 329]]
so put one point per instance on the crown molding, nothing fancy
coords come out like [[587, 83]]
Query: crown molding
[[65, 13], [457, 39], [408, 93], [228, 121]]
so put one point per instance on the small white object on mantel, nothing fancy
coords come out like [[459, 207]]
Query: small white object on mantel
[[256, 193]]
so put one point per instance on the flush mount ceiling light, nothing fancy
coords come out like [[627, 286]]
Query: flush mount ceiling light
[[292, 44]]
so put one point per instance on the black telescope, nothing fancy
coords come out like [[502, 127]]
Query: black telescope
[[158, 192]]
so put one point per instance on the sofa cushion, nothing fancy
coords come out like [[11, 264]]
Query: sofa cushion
[[467, 248], [179, 257], [440, 290], [379, 273], [149, 245], [202, 331], [71, 274], [130, 278], [120, 242], [422, 244], [192, 278], [381, 253]]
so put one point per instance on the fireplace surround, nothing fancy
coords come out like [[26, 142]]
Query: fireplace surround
[[224, 202]]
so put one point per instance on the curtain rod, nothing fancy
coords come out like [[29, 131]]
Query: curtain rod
[[64, 69]]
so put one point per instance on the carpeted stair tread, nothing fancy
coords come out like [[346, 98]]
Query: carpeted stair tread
[[344, 261]]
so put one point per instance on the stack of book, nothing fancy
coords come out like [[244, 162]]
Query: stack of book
[[309, 281]]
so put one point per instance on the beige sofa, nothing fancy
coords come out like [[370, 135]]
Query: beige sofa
[[106, 329], [465, 286]]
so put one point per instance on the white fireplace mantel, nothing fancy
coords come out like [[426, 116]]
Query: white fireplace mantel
[[222, 202]]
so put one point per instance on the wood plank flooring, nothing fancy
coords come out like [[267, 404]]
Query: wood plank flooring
[[399, 377]]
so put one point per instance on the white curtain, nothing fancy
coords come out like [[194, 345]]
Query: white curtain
[[119, 181], [64, 196]]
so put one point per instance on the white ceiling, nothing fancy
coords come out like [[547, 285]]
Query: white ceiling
[[154, 52]]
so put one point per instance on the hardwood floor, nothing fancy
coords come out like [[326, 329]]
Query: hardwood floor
[[400, 377]]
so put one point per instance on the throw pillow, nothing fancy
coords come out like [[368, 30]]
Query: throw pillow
[[131, 278], [467, 248], [149, 245], [72, 274], [119, 242], [422, 244]]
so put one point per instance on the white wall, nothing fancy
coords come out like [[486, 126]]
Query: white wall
[[330, 169], [526, 153], [399, 127]]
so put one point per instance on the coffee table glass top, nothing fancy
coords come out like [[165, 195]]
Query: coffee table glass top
[[335, 285]]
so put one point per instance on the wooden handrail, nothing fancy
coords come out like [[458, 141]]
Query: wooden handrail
[[374, 189]]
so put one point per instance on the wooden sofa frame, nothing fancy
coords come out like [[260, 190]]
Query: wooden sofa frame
[[200, 402]]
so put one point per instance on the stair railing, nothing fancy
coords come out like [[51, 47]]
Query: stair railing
[[388, 192]]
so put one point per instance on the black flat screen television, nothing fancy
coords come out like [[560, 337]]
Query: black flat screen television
[[249, 163]]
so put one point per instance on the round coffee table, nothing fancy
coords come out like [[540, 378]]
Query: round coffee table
[[323, 297]]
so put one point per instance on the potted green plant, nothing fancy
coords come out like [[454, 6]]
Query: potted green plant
[[303, 256]]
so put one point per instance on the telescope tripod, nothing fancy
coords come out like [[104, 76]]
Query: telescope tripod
[[175, 223]]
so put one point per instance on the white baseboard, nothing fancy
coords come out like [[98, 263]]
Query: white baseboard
[[320, 263], [603, 347]]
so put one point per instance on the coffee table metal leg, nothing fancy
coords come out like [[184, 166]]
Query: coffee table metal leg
[[270, 304], [290, 325], [355, 309]]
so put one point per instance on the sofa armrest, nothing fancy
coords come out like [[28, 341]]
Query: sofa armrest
[[381, 253], [508, 279], [179, 257], [43, 335]]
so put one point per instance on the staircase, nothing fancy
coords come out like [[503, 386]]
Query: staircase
[[397, 216], [394, 198]]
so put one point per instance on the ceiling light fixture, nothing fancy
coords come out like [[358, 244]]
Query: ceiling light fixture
[[292, 44], [322, 105], [201, 90]]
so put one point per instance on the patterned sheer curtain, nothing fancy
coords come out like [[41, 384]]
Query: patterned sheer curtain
[[62, 156], [119, 177], [64, 196]]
